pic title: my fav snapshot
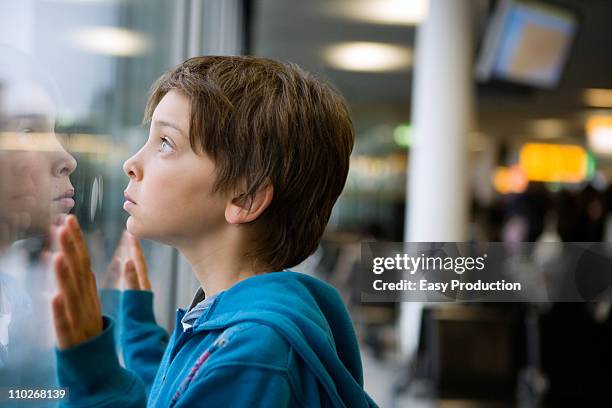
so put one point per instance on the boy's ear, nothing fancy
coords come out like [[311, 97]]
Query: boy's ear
[[240, 210]]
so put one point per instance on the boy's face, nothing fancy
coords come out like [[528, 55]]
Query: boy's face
[[35, 183], [169, 195]]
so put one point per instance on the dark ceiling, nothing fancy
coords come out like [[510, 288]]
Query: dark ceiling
[[298, 31]]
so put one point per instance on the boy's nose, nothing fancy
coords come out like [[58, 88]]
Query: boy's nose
[[65, 165], [132, 169]]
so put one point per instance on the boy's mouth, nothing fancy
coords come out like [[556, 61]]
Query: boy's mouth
[[128, 198], [129, 202], [66, 200]]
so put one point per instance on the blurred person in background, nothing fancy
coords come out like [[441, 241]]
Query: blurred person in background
[[574, 336]]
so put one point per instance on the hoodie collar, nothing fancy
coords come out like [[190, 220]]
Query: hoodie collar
[[199, 306]]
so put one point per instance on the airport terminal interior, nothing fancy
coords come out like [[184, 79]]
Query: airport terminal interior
[[476, 121]]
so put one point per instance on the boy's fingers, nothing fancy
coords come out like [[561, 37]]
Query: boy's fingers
[[130, 276], [59, 219], [70, 257], [113, 274], [61, 322], [122, 250], [137, 254], [143, 278], [79, 241], [114, 271], [65, 281], [76, 257], [66, 284], [145, 284], [92, 288], [76, 308]]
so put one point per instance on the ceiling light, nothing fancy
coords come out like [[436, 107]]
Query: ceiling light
[[598, 98], [599, 134], [368, 56], [398, 12], [547, 128], [111, 41]]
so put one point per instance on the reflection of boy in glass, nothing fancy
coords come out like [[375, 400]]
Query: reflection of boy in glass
[[34, 189], [16, 204], [37, 166]]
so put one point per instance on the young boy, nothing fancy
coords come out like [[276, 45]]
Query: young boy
[[244, 162]]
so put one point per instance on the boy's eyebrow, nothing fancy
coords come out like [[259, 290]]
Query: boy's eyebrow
[[169, 124]]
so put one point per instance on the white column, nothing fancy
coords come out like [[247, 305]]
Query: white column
[[442, 112]]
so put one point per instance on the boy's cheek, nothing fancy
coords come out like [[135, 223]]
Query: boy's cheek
[[154, 219]]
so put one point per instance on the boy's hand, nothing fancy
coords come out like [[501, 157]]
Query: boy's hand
[[76, 308], [135, 272], [112, 276]]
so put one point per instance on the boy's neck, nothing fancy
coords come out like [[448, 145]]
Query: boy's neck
[[218, 261]]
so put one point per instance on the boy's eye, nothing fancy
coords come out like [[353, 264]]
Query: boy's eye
[[165, 146], [25, 135]]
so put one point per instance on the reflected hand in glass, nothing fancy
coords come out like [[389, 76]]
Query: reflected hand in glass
[[76, 308], [112, 276], [135, 271], [129, 264], [77, 314]]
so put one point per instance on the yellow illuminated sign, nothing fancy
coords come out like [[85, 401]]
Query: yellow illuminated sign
[[554, 163]]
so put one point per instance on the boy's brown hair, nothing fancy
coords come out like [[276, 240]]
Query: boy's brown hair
[[262, 121]]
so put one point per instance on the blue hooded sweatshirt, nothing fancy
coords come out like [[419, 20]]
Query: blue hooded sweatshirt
[[281, 339]]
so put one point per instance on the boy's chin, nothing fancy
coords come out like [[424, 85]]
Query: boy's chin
[[133, 227], [141, 231]]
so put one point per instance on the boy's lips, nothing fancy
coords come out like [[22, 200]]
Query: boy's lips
[[66, 199], [129, 201], [128, 198]]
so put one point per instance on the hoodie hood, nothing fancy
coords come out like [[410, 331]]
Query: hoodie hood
[[312, 318]]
